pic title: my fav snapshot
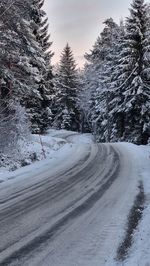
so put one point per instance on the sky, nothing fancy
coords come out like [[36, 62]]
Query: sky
[[79, 22]]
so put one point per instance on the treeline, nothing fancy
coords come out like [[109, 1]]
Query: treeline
[[25, 70], [26, 73], [110, 97], [117, 79]]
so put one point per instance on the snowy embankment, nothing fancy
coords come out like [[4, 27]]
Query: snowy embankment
[[40, 147], [37, 148], [139, 253]]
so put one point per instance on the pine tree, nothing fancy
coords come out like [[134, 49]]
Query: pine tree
[[67, 113], [15, 46], [23, 66], [84, 101], [22, 63], [40, 109], [113, 95], [134, 77], [98, 59]]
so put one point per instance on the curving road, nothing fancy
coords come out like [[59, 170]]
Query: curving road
[[71, 216]]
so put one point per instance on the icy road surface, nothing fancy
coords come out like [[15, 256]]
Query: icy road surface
[[70, 212]]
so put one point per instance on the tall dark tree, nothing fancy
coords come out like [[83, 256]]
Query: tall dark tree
[[134, 77], [96, 79], [67, 85], [111, 81], [45, 84], [25, 73], [16, 41], [16, 77]]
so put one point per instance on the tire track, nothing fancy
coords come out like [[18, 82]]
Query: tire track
[[81, 205]]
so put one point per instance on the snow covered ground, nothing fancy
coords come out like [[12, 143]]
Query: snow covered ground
[[37, 148], [139, 253], [72, 207]]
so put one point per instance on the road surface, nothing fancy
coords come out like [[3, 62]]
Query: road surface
[[71, 215]]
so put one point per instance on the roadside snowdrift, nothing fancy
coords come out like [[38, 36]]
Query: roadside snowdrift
[[39, 147], [139, 253]]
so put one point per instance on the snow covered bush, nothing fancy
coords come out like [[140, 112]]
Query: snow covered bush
[[14, 131]]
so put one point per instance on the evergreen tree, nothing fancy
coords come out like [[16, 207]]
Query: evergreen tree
[[84, 101], [41, 109], [25, 74], [15, 77], [118, 78], [67, 82], [113, 95], [16, 40], [96, 77], [134, 77]]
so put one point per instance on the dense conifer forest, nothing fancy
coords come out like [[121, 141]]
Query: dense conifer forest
[[110, 97]]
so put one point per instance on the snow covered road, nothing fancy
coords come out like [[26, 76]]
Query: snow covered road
[[69, 213]]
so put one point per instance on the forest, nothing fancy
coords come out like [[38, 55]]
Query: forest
[[109, 97]]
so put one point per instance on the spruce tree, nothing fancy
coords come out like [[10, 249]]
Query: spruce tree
[[134, 77], [15, 79], [84, 101], [45, 84], [115, 118], [15, 52], [97, 80], [25, 72], [66, 85]]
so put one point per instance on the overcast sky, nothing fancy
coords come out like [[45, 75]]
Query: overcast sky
[[79, 22]]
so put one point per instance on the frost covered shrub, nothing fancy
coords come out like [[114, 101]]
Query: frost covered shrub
[[14, 130]]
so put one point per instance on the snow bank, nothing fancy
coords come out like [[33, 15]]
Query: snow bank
[[139, 253], [41, 147], [84, 139], [36, 149]]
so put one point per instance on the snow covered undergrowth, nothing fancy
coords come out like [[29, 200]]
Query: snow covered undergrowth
[[37, 148]]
